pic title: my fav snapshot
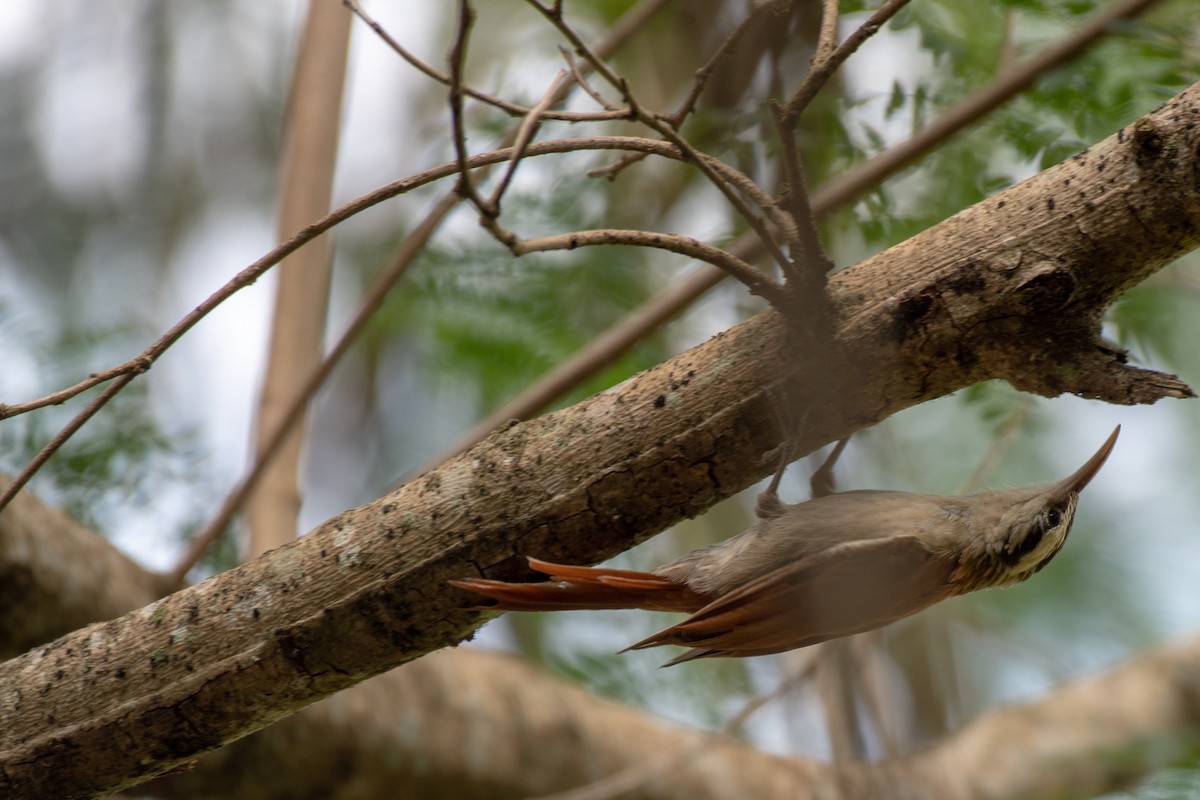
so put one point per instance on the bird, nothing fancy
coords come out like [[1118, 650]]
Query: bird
[[835, 565]]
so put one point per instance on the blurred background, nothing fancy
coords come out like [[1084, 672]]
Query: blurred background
[[140, 153]]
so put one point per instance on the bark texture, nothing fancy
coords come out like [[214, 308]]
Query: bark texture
[[1012, 288]]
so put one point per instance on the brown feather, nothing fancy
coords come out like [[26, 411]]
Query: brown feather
[[572, 587], [849, 588]]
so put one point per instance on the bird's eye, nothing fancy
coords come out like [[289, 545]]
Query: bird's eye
[[1027, 545], [1019, 546]]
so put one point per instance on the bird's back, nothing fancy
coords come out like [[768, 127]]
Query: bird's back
[[806, 529]]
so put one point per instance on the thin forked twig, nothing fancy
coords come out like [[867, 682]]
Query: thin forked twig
[[582, 82], [51, 447], [740, 270], [664, 128], [554, 14], [668, 304], [631, 22], [828, 57], [122, 373], [524, 136], [822, 70], [755, 281], [510, 108]]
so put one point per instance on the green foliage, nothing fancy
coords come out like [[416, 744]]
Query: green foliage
[[963, 37], [1159, 320], [1066, 110], [104, 466], [485, 322], [1167, 784]]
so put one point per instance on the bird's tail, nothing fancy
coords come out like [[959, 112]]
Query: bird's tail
[[573, 587]]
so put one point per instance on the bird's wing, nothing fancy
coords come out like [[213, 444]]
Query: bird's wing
[[844, 589]]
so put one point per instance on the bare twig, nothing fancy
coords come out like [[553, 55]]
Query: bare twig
[[524, 135], [510, 108], [815, 264], [728, 175], [66, 433], [825, 63], [733, 266], [63, 395], [754, 280], [458, 57], [582, 82], [699, 84], [554, 14], [664, 128]]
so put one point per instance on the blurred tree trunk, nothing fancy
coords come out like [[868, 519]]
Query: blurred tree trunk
[[302, 292]]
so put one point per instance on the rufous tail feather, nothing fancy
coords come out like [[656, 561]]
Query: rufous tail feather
[[571, 587]]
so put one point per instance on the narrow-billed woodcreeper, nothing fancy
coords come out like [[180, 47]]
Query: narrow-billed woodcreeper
[[833, 566]]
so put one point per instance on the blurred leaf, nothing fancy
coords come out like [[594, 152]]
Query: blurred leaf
[[1167, 784], [1158, 319]]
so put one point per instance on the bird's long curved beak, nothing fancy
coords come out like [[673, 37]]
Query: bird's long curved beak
[[1082, 476]]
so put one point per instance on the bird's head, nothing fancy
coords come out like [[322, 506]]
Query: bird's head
[[1024, 528]]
